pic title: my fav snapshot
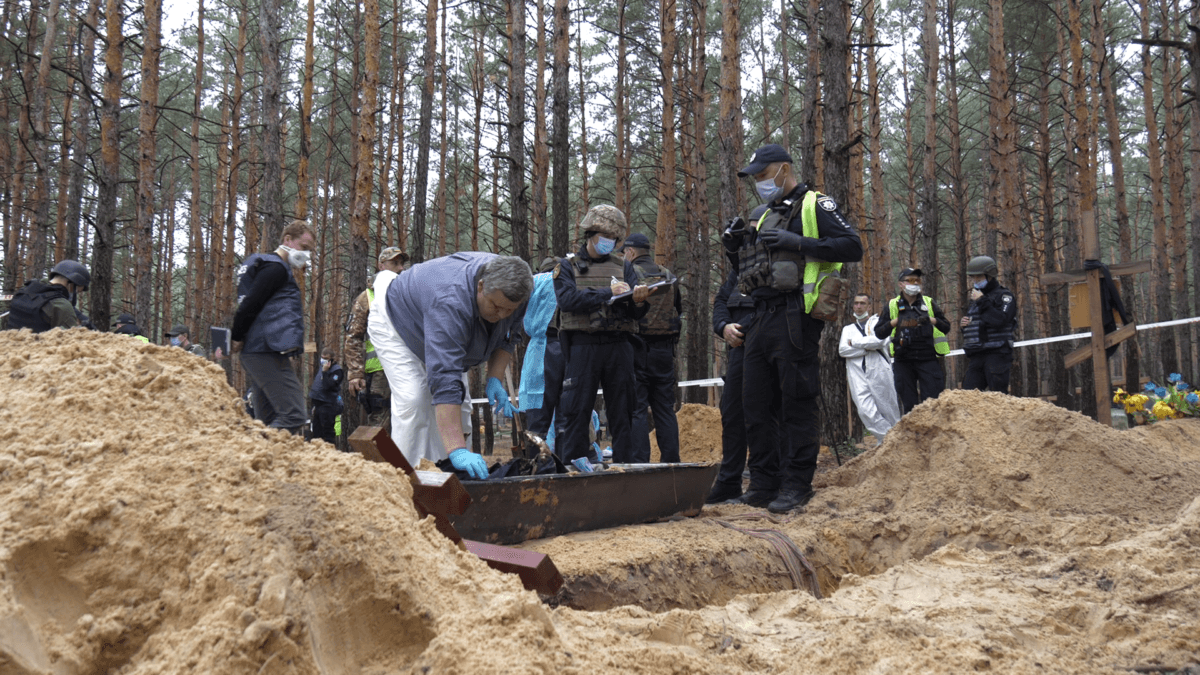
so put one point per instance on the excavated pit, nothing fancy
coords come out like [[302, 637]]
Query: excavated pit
[[970, 470], [148, 526]]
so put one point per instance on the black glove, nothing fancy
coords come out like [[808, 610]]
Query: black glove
[[924, 319], [732, 242], [780, 240]]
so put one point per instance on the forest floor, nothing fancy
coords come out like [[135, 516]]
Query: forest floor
[[148, 526]]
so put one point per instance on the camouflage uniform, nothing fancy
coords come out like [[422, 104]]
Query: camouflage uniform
[[355, 357]]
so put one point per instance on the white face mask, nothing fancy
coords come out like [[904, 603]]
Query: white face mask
[[862, 316], [912, 289], [296, 258], [324, 363], [767, 189]]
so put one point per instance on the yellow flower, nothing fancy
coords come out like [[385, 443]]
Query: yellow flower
[[1120, 396], [1163, 410]]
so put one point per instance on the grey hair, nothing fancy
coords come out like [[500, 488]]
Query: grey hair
[[510, 275]]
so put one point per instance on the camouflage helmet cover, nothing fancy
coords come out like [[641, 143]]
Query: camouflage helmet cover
[[605, 219]]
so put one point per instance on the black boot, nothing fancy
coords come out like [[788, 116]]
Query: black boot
[[723, 493], [789, 500], [755, 498]]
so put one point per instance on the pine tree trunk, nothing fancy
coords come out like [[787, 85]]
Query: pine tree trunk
[[1101, 64], [729, 122], [271, 203], [699, 335], [1177, 233], [360, 219], [560, 144], [958, 180], [440, 200], [1161, 265], [83, 130], [541, 154], [100, 292], [424, 125], [664, 245], [147, 163], [836, 120], [40, 116], [306, 108], [930, 218], [518, 194], [621, 114], [876, 236]]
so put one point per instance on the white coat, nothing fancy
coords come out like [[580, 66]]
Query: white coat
[[869, 373]]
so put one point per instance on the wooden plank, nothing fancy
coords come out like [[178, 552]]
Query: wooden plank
[[1084, 353], [375, 444], [1099, 357], [1118, 270], [536, 570]]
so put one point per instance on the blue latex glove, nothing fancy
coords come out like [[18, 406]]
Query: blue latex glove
[[465, 460], [498, 397], [785, 240]]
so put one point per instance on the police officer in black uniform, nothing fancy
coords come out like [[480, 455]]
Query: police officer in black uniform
[[42, 305], [597, 335], [783, 257], [326, 397], [654, 356], [988, 328], [732, 313]]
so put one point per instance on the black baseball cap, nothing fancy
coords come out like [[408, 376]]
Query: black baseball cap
[[179, 329], [123, 318], [637, 240], [764, 157], [910, 271]]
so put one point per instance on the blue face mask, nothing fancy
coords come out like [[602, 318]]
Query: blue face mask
[[980, 285], [176, 341], [767, 189], [604, 245]]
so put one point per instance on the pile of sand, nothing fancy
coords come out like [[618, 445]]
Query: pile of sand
[[148, 526], [699, 434]]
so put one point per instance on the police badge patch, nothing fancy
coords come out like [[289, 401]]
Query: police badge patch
[[827, 203]]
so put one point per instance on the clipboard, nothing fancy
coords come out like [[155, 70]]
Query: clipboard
[[221, 338], [657, 284]]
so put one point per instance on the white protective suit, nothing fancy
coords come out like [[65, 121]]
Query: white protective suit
[[869, 372]]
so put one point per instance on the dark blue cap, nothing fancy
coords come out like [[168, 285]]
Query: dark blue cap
[[911, 272], [764, 157], [124, 318], [637, 240]]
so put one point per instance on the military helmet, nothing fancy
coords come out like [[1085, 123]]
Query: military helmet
[[982, 265], [73, 271], [605, 219]]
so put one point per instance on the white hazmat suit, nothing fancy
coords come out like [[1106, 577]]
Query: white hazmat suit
[[869, 372]]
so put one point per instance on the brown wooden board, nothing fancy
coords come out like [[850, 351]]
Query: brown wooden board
[[512, 510], [536, 571]]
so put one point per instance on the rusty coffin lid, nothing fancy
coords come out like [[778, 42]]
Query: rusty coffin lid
[[515, 509]]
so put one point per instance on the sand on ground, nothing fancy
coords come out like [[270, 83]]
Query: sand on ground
[[147, 525]]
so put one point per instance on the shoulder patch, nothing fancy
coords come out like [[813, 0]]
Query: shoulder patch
[[826, 202], [557, 270], [1007, 298]]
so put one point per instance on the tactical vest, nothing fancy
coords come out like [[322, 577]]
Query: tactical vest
[[604, 318], [279, 327], [941, 344], [372, 365], [786, 271], [661, 319], [978, 338], [26, 308]]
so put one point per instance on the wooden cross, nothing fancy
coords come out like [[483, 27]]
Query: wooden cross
[[1100, 342]]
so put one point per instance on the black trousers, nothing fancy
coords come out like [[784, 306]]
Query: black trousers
[[593, 363], [323, 417], [539, 419], [909, 374], [781, 382], [654, 368], [989, 371]]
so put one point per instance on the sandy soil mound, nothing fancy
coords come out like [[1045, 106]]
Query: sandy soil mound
[[699, 434], [1002, 453], [148, 526]]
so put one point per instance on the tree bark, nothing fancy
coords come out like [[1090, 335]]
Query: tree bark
[[836, 119], [729, 121], [100, 292], [271, 198], [424, 125], [664, 245], [930, 218], [1161, 264], [560, 144], [518, 195], [541, 154], [360, 219], [40, 117], [306, 108], [83, 129], [147, 162]]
